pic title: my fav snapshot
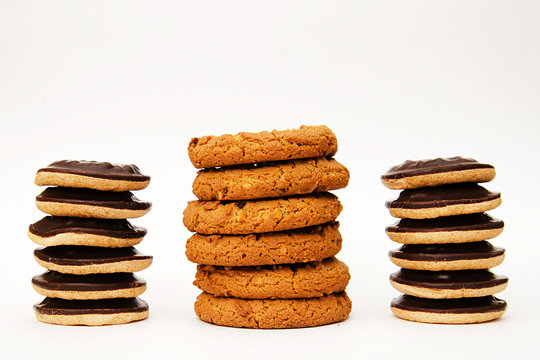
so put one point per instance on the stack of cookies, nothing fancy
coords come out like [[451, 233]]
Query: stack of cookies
[[266, 230], [446, 257], [89, 251]]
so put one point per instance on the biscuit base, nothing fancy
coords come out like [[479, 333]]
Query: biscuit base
[[451, 210], [89, 182], [432, 293], [88, 211], [443, 237], [84, 240], [446, 318], [93, 319], [91, 295], [449, 177], [273, 314], [472, 264], [107, 268]]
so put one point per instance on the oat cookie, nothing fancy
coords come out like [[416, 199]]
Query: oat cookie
[[434, 172], [248, 148], [273, 313], [92, 175], [276, 281], [258, 216], [278, 179]]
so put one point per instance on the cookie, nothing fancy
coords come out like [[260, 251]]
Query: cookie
[[306, 280], [443, 257], [448, 284], [60, 230], [283, 247], [273, 313], [92, 175], [91, 312], [444, 200], [278, 179], [62, 201], [248, 148], [415, 174], [444, 230], [81, 260], [448, 311], [257, 216], [88, 287]]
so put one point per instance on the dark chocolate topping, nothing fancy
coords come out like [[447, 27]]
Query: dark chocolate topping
[[53, 306], [87, 255], [447, 252], [452, 306], [460, 279], [110, 199], [52, 280], [467, 222], [432, 166], [54, 225], [104, 170], [440, 196]]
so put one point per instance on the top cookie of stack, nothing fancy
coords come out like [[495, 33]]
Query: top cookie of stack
[[263, 214]]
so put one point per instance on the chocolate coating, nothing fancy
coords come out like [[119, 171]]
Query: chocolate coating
[[53, 306], [54, 225], [53, 280], [471, 305], [460, 279], [443, 195], [432, 166], [110, 199], [467, 222], [104, 170], [87, 255], [447, 252]]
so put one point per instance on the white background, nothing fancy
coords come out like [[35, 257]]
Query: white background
[[133, 81]]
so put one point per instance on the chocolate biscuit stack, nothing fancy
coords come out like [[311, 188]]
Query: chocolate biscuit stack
[[265, 228], [89, 251], [446, 257]]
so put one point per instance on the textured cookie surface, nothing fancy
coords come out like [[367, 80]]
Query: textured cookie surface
[[61, 230], [448, 311], [294, 177], [91, 312], [258, 216], [415, 174], [448, 229], [273, 313], [284, 247], [278, 281], [248, 148], [93, 175]]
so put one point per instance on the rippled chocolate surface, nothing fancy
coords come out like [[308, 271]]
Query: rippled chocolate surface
[[447, 252], [432, 166], [453, 306], [97, 169], [54, 225], [53, 280], [87, 255], [110, 199], [53, 306], [460, 279], [467, 222]]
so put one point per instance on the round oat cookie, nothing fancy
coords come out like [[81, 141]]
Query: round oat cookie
[[448, 311], [444, 200], [249, 148], [444, 230], [82, 260], [92, 175], [273, 313], [88, 287], [415, 174], [62, 201], [259, 216], [275, 281], [91, 312], [447, 257], [283, 247], [448, 284], [277, 179], [62, 230]]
